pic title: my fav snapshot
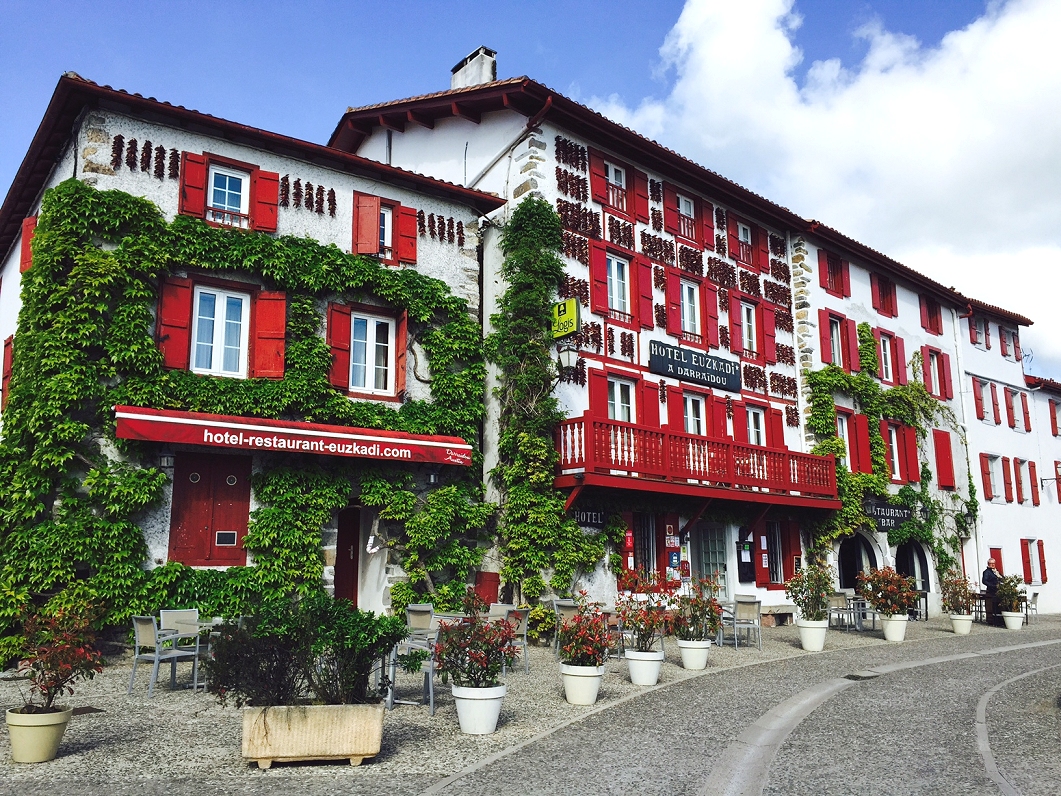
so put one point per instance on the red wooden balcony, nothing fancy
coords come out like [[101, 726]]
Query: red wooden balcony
[[617, 197], [687, 227], [592, 445]]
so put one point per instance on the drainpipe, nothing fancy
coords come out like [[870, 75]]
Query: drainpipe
[[532, 123]]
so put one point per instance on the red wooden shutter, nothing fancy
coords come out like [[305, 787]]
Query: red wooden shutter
[[769, 335], [598, 185], [1053, 417], [944, 459], [598, 278], [29, 225], [874, 291], [1026, 559], [1007, 479], [1016, 346], [845, 277], [994, 405], [854, 363], [763, 247], [401, 352], [926, 324], [978, 398], [720, 422], [863, 461], [900, 359], [880, 355], [908, 439], [761, 556], [825, 339], [640, 196], [674, 306], [987, 334], [733, 234], [675, 410], [1057, 480], [1033, 483], [406, 234], [193, 185], [339, 342], [265, 197], [1042, 562], [649, 404], [974, 338], [670, 209], [823, 269], [5, 380], [926, 369], [644, 288], [366, 224], [1011, 417], [1027, 414], [736, 333], [175, 323], [740, 422], [1018, 479], [1003, 341], [791, 547], [775, 429], [948, 385], [710, 299], [707, 219], [985, 474], [270, 328], [598, 396]]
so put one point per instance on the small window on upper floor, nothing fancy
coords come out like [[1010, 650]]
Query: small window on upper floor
[[386, 232], [887, 371], [748, 329], [372, 352], [844, 435], [221, 332], [615, 176], [884, 300], [621, 404], [619, 288], [228, 200], [690, 308], [980, 333], [686, 207], [756, 426], [931, 315], [836, 339], [694, 414], [1009, 343]]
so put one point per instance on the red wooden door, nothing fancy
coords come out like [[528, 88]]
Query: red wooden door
[[347, 553], [211, 506]]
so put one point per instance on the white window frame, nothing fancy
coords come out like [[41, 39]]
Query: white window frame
[[1009, 337], [998, 490], [887, 372], [693, 409], [756, 426], [618, 390], [371, 344], [690, 307], [843, 433], [618, 284], [226, 215], [386, 232], [684, 202], [616, 175], [1033, 560], [836, 339], [989, 405], [744, 233], [894, 461], [1020, 472], [217, 341], [749, 343], [980, 325]]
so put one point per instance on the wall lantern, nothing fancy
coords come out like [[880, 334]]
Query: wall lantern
[[166, 460], [568, 353]]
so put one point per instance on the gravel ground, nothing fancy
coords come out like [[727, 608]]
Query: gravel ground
[[140, 744]]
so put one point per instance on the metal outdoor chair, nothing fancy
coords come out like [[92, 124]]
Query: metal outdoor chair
[[499, 611], [565, 611], [840, 611], [747, 617], [146, 634], [1032, 606], [420, 618], [518, 617]]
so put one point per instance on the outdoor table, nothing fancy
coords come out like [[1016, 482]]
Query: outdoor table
[[859, 608], [728, 607]]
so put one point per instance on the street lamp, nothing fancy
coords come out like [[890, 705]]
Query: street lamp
[[567, 352], [926, 512]]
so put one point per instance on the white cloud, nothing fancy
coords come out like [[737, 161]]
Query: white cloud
[[947, 158]]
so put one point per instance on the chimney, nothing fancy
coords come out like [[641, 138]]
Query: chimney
[[479, 67]]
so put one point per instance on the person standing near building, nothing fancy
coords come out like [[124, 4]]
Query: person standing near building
[[990, 579]]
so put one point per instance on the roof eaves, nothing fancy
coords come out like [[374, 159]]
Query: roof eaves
[[991, 309]]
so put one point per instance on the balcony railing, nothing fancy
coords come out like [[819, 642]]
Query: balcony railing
[[617, 197], [745, 254], [687, 227], [227, 218], [589, 444]]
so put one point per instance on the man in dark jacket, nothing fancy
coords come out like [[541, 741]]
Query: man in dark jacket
[[990, 579]]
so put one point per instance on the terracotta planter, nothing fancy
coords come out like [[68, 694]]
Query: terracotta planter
[[894, 626], [961, 624], [35, 737], [694, 653], [812, 633], [1014, 619], [312, 732], [478, 708], [581, 683], [644, 666]]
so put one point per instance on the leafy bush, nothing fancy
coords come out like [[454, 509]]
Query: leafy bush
[[809, 589], [642, 606], [584, 638], [957, 599], [59, 651], [698, 616], [472, 650], [887, 591], [1010, 590], [541, 622]]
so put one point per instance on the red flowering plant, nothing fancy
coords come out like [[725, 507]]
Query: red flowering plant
[[584, 637], [697, 615], [472, 650], [887, 591], [59, 650], [642, 605], [957, 597]]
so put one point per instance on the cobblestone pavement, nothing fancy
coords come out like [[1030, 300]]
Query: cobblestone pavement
[[907, 731]]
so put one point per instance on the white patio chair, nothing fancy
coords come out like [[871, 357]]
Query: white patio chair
[[499, 611], [747, 617], [565, 611], [840, 611], [146, 634], [1032, 607]]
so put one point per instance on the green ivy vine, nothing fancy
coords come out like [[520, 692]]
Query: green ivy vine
[[69, 506]]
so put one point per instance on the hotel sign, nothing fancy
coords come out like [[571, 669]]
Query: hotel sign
[[886, 516], [566, 318], [695, 366], [285, 436]]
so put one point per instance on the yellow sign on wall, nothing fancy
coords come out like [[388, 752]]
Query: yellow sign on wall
[[565, 318]]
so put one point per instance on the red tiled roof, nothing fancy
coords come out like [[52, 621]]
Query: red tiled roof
[[1039, 381], [991, 309]]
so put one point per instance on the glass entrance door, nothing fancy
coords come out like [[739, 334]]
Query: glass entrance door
[[713, 553]]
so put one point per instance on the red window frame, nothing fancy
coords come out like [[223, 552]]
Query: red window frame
[[882, 291], [898, 357], [606, 194], [834, 274], [708, 294], [202, 510], [938, 384], [25, 259], [941, 446], [639, 284], [263, 199], [790, 547], [908, 459], [858, 451], [338, 336], [8, 363], [848, 340], [765, 328], [365, 233], [931, 315], [754, 256]]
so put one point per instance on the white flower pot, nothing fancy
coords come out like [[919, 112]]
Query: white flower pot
[[644, 666], [961, 624], [1014, 619], [35, 737], [894, 626], [812, 633], [478, 708], [581, 683], [286, 733], [694, 653]]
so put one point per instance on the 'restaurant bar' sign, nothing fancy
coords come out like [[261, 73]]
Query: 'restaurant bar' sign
[[689, 365], [285, 436]]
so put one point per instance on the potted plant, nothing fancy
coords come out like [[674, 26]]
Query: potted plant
[[58, 649], [957, 601], [642, 610], [892, 596], [1009, 593], [301, 670], [809, 590], [473, 651], [696, 622], [583, 650]]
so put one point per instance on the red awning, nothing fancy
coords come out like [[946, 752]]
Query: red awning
[[286, 436]]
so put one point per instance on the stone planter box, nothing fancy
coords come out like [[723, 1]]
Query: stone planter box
[[312, 732]]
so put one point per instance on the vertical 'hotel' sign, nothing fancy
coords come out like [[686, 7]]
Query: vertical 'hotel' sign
[[694, 366]]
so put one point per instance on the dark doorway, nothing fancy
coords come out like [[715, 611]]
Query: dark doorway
[[910, 560], [210, 509], [856, 555], [347, 553]]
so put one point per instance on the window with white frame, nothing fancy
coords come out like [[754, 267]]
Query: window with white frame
[[748, 330], [836, 340], [980, 325], [744, 233], [843, 434], [228, 197], [690, 305], [686, 217], [994, 471], [386, 232], [686, 206], [372, 354], [621, 401], [894, 468], [615, 177], [886, 371], [219, 347], [1033, 560], [756, 426], [619, 286], [694, 414]]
